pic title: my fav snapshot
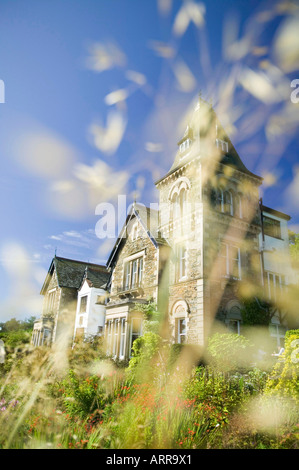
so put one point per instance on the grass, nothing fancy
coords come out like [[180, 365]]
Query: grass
[[87, 402]]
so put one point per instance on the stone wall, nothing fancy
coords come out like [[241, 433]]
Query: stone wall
[[129, 247]]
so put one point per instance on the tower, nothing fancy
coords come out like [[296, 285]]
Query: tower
[[209, 214]]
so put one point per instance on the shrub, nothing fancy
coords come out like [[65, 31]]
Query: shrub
[[146, 351], [83, 397], [284, 379], [228, 352]]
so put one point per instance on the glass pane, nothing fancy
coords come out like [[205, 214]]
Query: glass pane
[[127, 275], [140, 271], [182, 327], [83, 304], [136, 326], [134, 273]]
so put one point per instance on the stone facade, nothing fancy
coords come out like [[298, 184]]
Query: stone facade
[[207, 247], [209, 225], [137, 268]]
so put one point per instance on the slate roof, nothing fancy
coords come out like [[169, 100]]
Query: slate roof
[[230, 158], [70, 272], [95, 277]]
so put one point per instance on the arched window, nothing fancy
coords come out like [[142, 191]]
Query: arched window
[[219, 200], [182, 199], [228, 203], [176, 206], [179, 314], [178, 198], [233, 316]]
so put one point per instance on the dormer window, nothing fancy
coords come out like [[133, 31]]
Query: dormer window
[[222, 144], [185, 145]]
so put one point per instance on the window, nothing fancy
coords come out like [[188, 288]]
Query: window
[[185, 145], [46, 336], [222, 145], [51, 302], [135, 331], [122, 337], [127, 276], [182, 198], [228, 202], [180, 269], [230, 261], [179, 210], [176, 207], [140, 271], [219, 200], [278, 332], [271, 227], [274, 284], [115, 339], [109, 335], [224, 201], [133, 273], [234, 326], [83, 304], [181, 330]]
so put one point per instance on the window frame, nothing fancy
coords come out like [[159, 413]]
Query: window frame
[[133, 277], [228, 261], [273, 288], [273, 229], [122, 342], [185, 145], [181, 333], [180, 262], [85, 298], [228, 205], [222, 144]]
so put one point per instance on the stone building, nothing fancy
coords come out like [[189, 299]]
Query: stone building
[[207, 247], [60, 291], [137, 264]]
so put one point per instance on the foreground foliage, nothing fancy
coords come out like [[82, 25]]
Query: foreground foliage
[[89, 402]]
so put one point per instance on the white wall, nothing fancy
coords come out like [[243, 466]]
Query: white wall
[[276, 251], [95, 313]]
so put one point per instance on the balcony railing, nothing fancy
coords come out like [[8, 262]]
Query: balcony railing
[[130, 291]]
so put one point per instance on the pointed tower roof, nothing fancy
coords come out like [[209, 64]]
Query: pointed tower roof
[[204, 137]]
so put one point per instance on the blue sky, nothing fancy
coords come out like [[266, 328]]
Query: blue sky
[[73, 69]]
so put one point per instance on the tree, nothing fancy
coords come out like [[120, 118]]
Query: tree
[[28, 323], [12, 325], [256, 312]]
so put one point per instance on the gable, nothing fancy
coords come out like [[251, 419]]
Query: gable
[[146, 220]]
